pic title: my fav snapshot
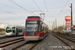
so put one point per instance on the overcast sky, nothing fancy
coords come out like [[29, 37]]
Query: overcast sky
[[15, 15]]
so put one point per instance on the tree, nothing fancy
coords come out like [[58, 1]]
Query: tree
[[49, 30], [55, 29], [60, 28]]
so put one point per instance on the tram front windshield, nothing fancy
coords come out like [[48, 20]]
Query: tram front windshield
[[31, 26], [8, 30]]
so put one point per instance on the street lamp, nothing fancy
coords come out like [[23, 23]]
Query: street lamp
[[71, 20]]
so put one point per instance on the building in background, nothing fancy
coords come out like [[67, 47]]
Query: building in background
[[3, 26]]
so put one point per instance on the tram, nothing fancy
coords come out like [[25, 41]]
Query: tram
[[35, 28], [14, 30]]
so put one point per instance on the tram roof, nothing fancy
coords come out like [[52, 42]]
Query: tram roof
[[33, 17], [15, 26]]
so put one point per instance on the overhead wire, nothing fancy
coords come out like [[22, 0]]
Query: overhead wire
[[11, 13], [7, 11], [20, 6], [42, 18], [62, 8], [45, 5], [6, 5], [37, 6]]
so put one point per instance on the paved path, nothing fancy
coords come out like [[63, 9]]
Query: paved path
[[50, 43]]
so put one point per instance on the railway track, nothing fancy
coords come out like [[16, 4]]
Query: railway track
[[67, 37], [32, 48], [5, 37], [9, 39], [11, 43], [69, 41], [28, 46], [2, 36], [35, 45], [16, 43]]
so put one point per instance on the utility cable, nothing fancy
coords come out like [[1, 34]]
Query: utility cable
[[7, 11], [20, 6], [10, 13], [63, 8], [45, 5], [37, 6], [6, 6]]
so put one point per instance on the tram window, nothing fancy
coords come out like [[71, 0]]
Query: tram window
[[41, 28], [8, 30], [19, 30], [32, 27], [13, 29]]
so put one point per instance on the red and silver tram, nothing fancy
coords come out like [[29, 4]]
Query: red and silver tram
[[35, 29]]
